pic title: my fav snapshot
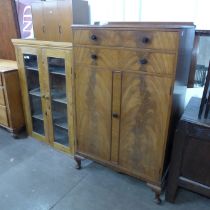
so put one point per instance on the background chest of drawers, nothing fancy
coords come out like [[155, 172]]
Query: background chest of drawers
[[130, 82], [11, 113]]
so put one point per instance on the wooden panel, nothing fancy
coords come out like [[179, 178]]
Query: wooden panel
[[93, 108], [103, 57], [3, 116], [116, 105], [146, 61], [51, 21], [38, 20], [2, 100], [144, 122], [13, 100], [65, 20], [9, 28], [154, 39]]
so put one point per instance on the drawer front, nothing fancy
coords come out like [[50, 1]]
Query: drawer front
[[135, 39], [2, 100], [96, 56], [151, 62], [3, 116]]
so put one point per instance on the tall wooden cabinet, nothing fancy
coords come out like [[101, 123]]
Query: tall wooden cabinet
[[130, 82], [46, 83], [52, 19]]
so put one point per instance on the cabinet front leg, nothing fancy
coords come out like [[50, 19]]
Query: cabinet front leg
[[78, 162], [157, 191]]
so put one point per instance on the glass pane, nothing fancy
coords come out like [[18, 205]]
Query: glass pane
[[32, 75], [58, 96]]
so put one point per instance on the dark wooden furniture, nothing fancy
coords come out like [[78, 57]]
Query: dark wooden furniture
[[192, 73], [129, 78], [9, 28], [189, 167], [11, 111], [205, 97], [52, 19]]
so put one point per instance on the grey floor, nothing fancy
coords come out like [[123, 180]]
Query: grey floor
[[33, 176]]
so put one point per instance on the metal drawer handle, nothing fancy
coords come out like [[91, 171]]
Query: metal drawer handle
[[93, 37], [145, 40], [143, 61], [115, 115], [94, 56]]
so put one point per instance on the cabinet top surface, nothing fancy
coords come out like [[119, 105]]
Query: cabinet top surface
[[7, 65], [139, 25], [191, 113], [39, 43]]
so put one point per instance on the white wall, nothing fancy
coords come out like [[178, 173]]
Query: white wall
[[196, 11]]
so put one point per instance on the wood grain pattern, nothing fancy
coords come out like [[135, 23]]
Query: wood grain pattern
[[3, 116], [93, 109], [9, 28], [2, 100], [144, 112], [13, 100], [127, 38], [158, 63], [116, 112], [105, 57]]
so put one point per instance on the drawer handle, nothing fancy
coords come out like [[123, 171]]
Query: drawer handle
[[145, 40], [93, 37], [115, 115], [94, 56], [143, 61]]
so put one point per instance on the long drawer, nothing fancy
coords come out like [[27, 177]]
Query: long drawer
[[135, 60], [164, 40], [3, 116], [2, 99]]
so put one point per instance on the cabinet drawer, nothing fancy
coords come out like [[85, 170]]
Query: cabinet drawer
[[151, 62], [134, 39], [3, 116], [2, 100], [96, 57]]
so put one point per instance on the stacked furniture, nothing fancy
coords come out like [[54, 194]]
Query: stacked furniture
[[45, 71], [52, 19], [11, 113], [190, 158], [130, 82]]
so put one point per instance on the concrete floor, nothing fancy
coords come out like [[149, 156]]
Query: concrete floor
[[33, 176]]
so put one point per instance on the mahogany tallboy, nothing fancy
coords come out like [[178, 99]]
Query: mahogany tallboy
[[130, 82]]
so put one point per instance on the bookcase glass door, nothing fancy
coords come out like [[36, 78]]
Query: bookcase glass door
[[32, 76], [57, 76]]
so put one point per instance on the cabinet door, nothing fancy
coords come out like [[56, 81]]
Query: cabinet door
[[38, 20], [51, 21], [31, 80], [58, 87], [93, 112], [65, 20], [145, 109]]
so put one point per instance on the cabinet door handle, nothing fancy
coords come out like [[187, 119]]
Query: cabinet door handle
[[145, 40], [93, 37], [143, 61], [94, 56], [115, 115], [59, 28], [43, 29]]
